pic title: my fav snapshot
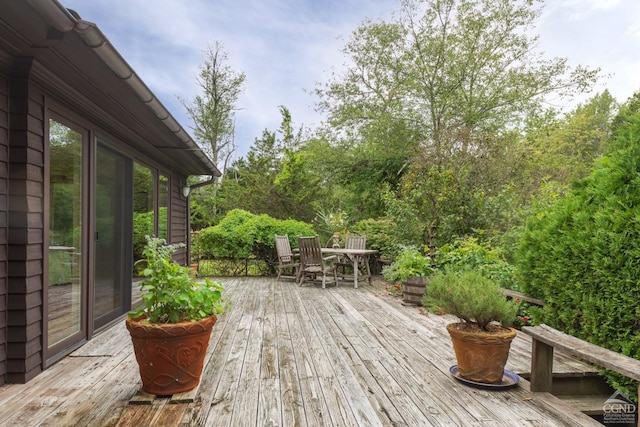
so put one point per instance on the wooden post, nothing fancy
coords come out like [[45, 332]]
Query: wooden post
[[432, 245], [541, 366]]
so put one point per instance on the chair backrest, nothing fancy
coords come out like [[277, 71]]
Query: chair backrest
[[310, 252], [283, 247], [356, 242]]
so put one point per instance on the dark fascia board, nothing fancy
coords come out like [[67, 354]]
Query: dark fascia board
[[63, 21]]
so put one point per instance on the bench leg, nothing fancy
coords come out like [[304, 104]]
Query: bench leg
[[541, 366]]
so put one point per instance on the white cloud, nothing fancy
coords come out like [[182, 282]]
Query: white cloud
[[283, 46], [286, 46]]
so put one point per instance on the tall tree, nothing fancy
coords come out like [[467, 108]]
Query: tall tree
[[462, 75], [213, 111], [563, 149], [275, 178], [446, 64]]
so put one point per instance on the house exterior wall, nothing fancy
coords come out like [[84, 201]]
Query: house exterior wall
[[178, 228], [4, 166], [51, 66], [25, 238], [21, 284]]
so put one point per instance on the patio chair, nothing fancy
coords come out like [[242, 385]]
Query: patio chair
[[352, 242], [312, 263], [286, 258]]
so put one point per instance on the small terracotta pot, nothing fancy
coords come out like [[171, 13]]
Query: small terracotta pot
[[170, 355], [194, 270], [481, 355]]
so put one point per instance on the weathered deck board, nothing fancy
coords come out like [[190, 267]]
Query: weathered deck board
[[295, 356]]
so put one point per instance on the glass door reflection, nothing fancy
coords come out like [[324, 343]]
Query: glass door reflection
[[66, 307], [112, 265]]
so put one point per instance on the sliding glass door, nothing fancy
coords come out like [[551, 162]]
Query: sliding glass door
[[66, 290], [112, 259], [95, 196], [89, 257]]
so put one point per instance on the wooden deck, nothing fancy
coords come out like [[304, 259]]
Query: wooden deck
[[295, 356]]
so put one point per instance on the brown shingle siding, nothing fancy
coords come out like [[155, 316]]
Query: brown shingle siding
[[26, 233], [4, 176], [22, 370], [24, 317], [178, 217], [24, 286], [22, 351]]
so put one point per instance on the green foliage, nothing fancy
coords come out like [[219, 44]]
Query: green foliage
[[561, 150], [470, 254], [234, 267], [409, 263], [627, 110], [213, 112], [433, 103], [330, 222], [142, 227], [581, 255], [60, 267], [203, 206], [411, 224], [381, 236], [278, 177], [143, 188], [228, 239], [213, 116], [526, 314], [363, 171], [169, 293], [241, 234], [471, 296]]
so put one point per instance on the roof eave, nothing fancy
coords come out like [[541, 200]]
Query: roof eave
[[60, 18]]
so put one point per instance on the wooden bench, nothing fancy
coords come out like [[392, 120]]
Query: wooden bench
[[522, 297], [545, 339]]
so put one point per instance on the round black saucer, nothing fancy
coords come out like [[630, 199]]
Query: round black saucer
[[509, 379]]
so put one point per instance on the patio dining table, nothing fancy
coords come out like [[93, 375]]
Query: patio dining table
[[355, 256]]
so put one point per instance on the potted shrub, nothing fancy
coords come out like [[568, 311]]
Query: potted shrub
[[171, 331], [411, 269], [482, 338]]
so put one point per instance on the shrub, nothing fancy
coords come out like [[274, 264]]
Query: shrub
[[228, 239], [381, 236], [470, 296], [469, 254], [581, 256], [409, 263], [241, 234]]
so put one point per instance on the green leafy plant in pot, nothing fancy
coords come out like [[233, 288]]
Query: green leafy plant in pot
[[482, 338], [171, 331], [411, 269]]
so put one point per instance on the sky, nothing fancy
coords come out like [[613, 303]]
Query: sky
[[287, 47]]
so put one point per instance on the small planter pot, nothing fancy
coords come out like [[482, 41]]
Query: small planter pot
[[481, 355], [170, 356], [413, 289], [194, 270]]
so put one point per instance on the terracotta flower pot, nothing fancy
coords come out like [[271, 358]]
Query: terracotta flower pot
[[171, 355], [481, 355]]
